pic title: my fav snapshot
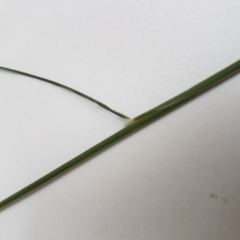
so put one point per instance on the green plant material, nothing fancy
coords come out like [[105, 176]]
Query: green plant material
[[137, 122], [191, 92], [67, 88]]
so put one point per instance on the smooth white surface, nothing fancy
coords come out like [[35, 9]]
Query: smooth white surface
[[178, 178]]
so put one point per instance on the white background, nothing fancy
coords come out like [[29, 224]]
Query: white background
[[178, 178]]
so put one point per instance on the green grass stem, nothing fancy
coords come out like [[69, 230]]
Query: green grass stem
[[138, 122]]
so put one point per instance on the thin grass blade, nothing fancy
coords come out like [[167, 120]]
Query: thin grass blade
[[67, 88]]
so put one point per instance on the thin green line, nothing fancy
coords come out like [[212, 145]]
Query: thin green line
[[139, 122], [67, 88], [191, 92]]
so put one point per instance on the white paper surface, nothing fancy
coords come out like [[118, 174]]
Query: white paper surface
[[177, 178]]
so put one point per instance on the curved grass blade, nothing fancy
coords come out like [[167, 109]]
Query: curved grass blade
[[137, 123], [67, 88]]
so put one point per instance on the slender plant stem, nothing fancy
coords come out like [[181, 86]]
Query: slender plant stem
[[191, 92], [67, 88], [137, 123]]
